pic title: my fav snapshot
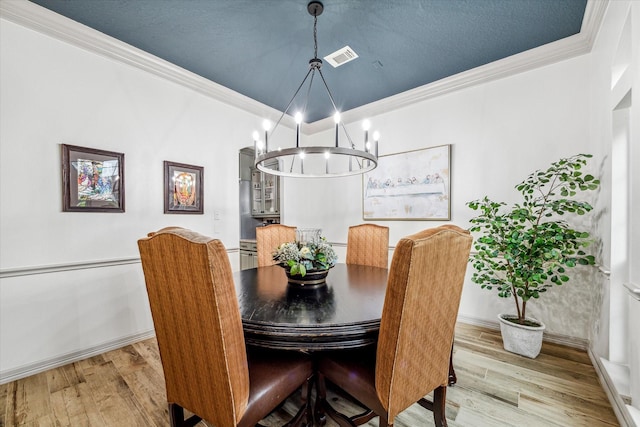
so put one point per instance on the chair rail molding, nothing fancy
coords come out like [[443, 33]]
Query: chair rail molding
[[56, 268], [634, 290]]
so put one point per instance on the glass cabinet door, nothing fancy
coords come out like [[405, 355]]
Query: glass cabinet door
[[256, 192], [265, 194], [271, 202]]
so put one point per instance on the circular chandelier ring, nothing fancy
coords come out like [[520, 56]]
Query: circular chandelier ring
[[372, 161]]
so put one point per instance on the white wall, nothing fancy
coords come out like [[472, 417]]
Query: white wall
[[55, 93], [499, 132], [615, 64]]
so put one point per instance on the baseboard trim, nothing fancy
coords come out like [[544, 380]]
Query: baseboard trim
[[579, 343], [44, 365], [619, 407]]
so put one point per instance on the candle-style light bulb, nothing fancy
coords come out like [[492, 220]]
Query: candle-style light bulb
[[298, 118], [376, 138], [326, 163], [365, 125], [336, 118], [266, 125], [255, 136]]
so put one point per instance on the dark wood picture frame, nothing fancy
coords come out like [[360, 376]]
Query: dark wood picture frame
[[183, 188], [92, 180]]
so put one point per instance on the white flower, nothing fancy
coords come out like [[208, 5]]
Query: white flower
[[310, 256]]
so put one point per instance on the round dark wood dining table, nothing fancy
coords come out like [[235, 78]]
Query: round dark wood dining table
[[343, 314]]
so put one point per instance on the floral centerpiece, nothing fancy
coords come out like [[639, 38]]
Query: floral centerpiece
[[298, 258]]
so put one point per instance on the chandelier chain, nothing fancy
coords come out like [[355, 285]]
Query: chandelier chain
[[315, 36]]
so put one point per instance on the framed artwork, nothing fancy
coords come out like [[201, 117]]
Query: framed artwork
[[92, 180], [183, 188], [414, 185]]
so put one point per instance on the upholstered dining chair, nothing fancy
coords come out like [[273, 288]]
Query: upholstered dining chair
[[368, 244], [416, 333], [208, 370], [268, 238]]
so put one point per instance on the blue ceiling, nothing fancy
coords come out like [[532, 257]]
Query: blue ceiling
[[261, 48]]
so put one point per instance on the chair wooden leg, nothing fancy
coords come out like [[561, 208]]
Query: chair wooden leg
[[452, 373], [384, 422], [176, 415], [439, 404]]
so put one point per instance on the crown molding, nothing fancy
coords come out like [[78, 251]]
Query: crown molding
[[45, 21], [42, 20], [593, 17], [550, 53]]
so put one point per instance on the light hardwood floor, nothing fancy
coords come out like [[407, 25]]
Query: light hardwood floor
[[125, 387]]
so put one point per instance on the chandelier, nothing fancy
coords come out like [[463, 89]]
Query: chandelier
[[341, 158]]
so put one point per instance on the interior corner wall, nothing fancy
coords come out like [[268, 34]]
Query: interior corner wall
[[54, 93], [615, 123], [499, 132]]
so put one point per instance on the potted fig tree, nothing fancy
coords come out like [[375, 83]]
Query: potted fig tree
[[527, 248]]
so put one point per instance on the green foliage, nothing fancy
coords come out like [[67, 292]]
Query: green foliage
[[303, 257], [527, 248]]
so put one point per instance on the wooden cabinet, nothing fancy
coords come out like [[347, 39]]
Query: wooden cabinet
[[248, 254], [265, 194]]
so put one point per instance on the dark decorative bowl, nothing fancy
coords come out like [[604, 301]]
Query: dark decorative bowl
[[311, 280]]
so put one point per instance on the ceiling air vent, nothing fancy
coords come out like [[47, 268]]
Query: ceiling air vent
[[341, 56]]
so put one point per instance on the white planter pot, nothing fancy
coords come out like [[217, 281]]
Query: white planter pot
[[521, 339]]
